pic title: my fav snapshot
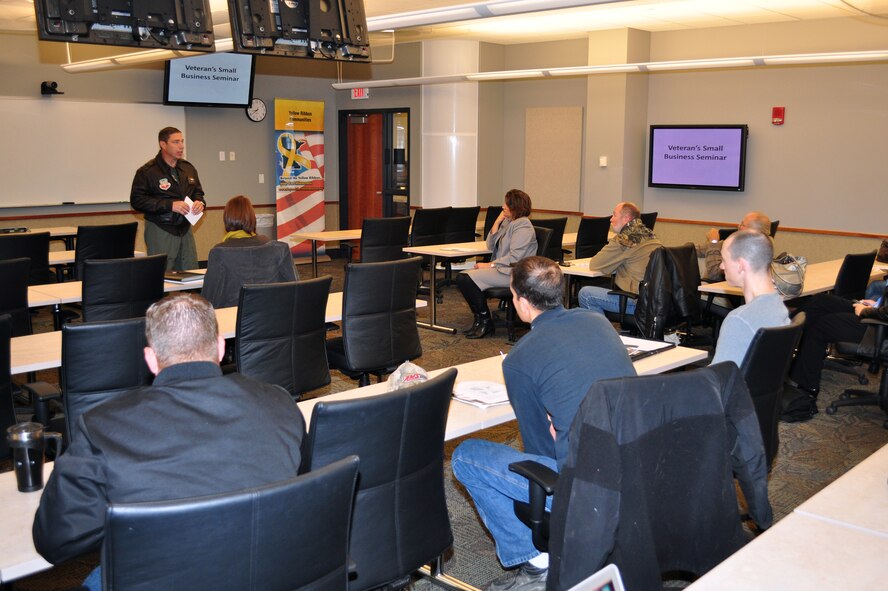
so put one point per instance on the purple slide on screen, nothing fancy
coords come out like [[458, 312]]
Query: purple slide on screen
[[697, 156]]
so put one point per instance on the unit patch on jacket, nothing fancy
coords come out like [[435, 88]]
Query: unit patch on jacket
[[164, 184]]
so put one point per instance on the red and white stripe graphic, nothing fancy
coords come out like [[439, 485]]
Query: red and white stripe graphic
[[300, 200]]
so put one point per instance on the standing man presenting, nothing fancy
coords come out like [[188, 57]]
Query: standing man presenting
[[159, 191], [547, 375]]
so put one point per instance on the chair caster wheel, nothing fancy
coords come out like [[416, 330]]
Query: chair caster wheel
[[831, 410], [844, 396], [863, 380], [439, 299]]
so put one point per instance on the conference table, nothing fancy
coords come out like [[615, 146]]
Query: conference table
[[67, 234], [570, 239], [18, 557], [837, 539], [66, 257], [43, 350], [819, 277]]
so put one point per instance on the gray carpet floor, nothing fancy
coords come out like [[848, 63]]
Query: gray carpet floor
[[811, 455]]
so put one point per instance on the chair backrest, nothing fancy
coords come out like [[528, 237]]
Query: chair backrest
[[99, 361], [229, 268], [557, 225], [379, 313], [461, 224], [649, 219], [281, 334], [121, 288], [14, 294], [383, 239], [649, 481], [543, 238], [723, 233], [400, 519], [429, 226], [854, 275], [32, 246], [669, 291], [112, 241], [591, 236], [764, 368], [289, 535], [493, 212], [7, 410]]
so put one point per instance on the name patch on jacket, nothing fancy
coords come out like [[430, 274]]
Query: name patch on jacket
[[164, 184]]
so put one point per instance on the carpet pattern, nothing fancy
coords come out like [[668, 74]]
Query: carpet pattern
[[811, 454]]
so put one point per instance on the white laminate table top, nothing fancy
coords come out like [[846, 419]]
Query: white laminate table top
[[800, 553], [857, 499], [18, 557]]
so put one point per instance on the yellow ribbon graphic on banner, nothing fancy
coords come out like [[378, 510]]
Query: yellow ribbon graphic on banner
[[292, 155]]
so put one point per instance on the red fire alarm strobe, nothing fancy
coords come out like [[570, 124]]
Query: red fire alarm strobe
[[778, 115]]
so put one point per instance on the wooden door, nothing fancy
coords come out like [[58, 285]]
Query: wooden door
[[364, 166]]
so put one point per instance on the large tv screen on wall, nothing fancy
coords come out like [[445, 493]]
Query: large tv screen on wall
[[707, 157]]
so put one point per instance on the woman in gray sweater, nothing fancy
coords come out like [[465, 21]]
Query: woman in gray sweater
[[511, 239]]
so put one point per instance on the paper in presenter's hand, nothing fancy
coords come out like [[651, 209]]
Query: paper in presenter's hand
[[192, 217]]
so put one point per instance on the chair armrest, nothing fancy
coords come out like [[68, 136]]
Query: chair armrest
[[544, 476], [874, 321], [41, 393], [623, 294]]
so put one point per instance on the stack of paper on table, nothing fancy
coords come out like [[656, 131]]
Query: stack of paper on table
[[481, 393]]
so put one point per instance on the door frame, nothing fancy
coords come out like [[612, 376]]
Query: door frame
[[387, 151]]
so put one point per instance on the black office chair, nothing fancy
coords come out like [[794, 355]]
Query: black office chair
[[281, 334], [384, 239], [7, 409], [34, 247], [400, 520], [764, 368], [14, 294], [723, 233], [854, 275], [504, 294], [378, 319], [649, 482], [591, 236], [874, 349], [230, 268], [113, 241], [121, 288], [289, 535], [461, 222], [100, 360], [649, 219], [493, 212], [557, 225], [429, 228]]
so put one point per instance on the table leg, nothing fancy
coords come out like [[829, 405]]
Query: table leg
[[314, 258], [57, 316], [433, 304]]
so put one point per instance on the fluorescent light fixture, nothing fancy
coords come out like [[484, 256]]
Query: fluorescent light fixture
[[506, 75], [698, 64], [586, 70], [89, 66], [820, 58]]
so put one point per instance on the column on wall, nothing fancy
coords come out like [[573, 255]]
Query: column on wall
[[616, 122], [449, 126]]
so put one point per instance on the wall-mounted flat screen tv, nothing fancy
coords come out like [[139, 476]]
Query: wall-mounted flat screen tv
[[707, 157], [160, 24], [212, 80]]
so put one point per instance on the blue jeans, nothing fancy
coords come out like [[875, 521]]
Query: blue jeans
[[598, 300], [483, 468], [875, 290], [93, 581]]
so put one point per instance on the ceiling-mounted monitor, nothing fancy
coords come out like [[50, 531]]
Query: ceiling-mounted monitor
[[209, 80], [316, 29], [706, 157], [156, 24]]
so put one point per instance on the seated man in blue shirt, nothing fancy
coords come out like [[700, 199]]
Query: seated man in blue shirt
[[746, 261], [547, 376]]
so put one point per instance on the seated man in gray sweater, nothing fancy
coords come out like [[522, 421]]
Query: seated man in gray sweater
[[746, 261]]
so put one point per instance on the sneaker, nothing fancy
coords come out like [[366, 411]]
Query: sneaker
[[524, 578]]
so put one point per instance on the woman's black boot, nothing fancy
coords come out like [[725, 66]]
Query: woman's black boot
[[485, 328], [474, 326]]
